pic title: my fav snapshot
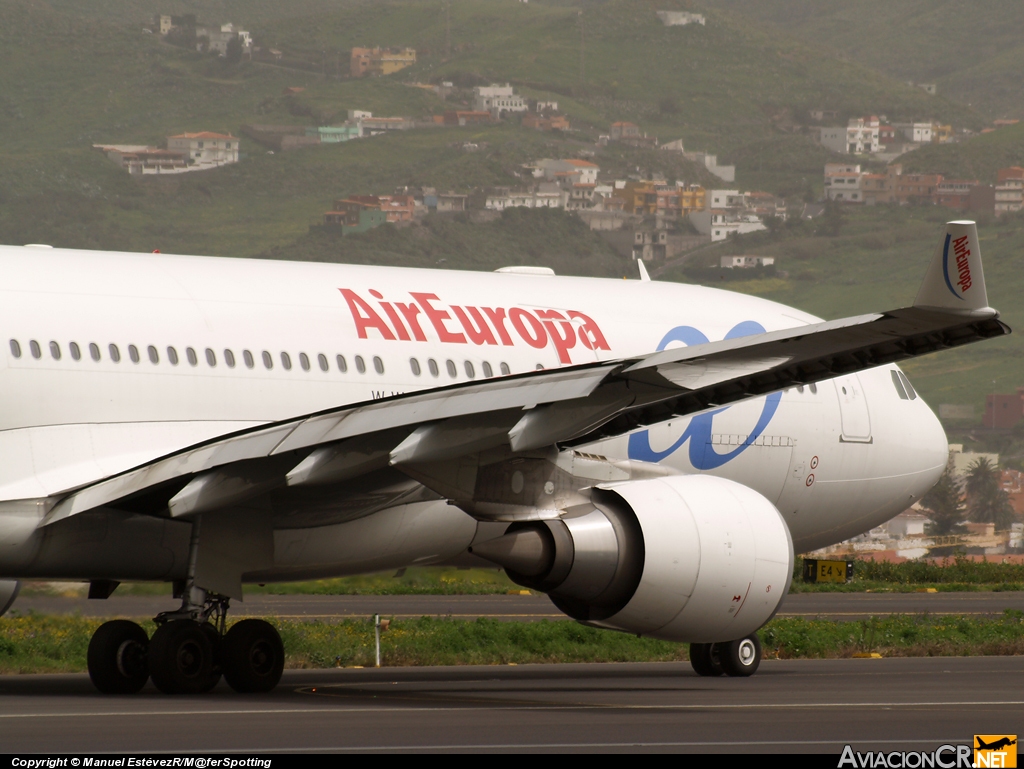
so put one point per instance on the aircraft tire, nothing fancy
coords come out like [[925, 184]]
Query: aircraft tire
[[117, 657], [253, 656], [741, 658], [181, 658], [704, 660], [216, 641]]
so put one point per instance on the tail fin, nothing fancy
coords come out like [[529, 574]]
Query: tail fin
[[955, 281]]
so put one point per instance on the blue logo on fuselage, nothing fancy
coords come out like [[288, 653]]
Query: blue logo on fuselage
[[698, 432]]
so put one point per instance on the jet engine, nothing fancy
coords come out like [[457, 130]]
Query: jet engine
[[685, 558]]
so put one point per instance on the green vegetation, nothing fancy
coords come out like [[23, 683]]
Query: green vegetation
[[973, 51], [953, 575], [35, 644], [551, 237], [980, 158], [416, 580]]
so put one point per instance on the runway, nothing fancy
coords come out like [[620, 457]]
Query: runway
[[839, 606], [814, 706]]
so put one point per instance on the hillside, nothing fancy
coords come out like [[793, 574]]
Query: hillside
[[75, 74], [876, 261], [974, 50], [979, 158]]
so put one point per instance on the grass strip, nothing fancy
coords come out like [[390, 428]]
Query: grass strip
[[957, 574], [51, 644]]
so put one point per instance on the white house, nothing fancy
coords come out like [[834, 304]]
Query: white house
[[680, 18], [843, 182], [746, 262], [219, 38], [720, 223], [581, 171], [726, 199], [915, 132], [206, 147], [860, 135], [498, 100], [546, 196]]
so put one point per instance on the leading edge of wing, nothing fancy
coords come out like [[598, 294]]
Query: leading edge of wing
[[578, 404]]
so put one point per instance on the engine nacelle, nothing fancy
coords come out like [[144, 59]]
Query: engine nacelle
[[685, 558]]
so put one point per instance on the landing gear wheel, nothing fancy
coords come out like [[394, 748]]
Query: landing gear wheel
[[704, 659], [253, 656], [181, 658], [117, 657], [741, 658], [216, 641]]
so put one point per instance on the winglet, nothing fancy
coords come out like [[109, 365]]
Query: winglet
[[643, 270], [955, 281]]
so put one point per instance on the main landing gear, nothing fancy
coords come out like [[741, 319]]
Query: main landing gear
[[190, 650], [188, 653], [733, 658]]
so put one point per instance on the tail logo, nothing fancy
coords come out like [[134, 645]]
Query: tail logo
[[961, 257]]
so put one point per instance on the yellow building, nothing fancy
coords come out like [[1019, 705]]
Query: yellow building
[[651, 198], [380, 61], [942, 133], [639, 197]]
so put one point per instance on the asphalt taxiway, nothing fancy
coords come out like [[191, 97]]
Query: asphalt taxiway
[[839, 606], [815, 706]]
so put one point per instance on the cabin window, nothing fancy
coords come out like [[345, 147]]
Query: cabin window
[[54, 350], [211, 358], [172, 356], [539, 367], [154, 356], [15, 348], [910, 388], [342, 364], [505, 370], [304, 361], [247, 357], [452, 370], [115, 354], [900, 391], [37, 351], [488, 371], [268, 360], [470, 371], [813, 388], [133, 353], [413, 364], [193, 359], [94, 351], [229, 358], [360, 365], [432, 365], [322, 360], [76, 351], [378, 365], [286, 361]]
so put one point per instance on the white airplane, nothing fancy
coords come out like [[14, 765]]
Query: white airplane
[[648, 454]]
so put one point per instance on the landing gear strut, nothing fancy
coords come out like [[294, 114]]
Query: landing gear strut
[[189, 651], [734, 658]]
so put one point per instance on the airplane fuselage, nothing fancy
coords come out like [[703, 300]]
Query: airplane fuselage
[[112, 360]]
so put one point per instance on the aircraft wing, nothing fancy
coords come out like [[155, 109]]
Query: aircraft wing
[[566, 406]]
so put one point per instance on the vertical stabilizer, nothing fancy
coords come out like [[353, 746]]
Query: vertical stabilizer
[[955, 281]]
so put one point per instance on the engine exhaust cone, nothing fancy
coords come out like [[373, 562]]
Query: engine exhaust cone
[[529, 552]]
